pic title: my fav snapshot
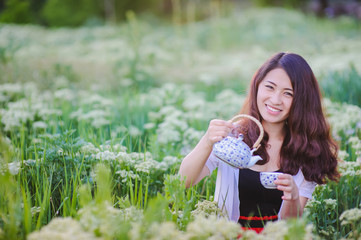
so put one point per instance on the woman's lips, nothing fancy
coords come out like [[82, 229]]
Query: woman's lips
[[272, 110]]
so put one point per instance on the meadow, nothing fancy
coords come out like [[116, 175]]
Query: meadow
[[95, 121]]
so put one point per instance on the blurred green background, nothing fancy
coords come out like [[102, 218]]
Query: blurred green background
[[76, 13], [133, 85]]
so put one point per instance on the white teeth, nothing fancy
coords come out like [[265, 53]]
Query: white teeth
[[273, 109]]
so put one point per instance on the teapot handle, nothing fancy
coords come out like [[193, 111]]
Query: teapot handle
[[256, 145]]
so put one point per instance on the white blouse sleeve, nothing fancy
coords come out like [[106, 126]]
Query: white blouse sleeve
[[212, 163], [305, 188]]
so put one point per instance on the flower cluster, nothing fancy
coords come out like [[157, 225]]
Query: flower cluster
[[35, 109], [207, 208], [62, 229], [345, 119], [156, 231], [104, 219], [212, 228], [351, 216], [349, 168]]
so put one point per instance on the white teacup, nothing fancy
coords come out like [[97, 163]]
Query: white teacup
[[268, 178]]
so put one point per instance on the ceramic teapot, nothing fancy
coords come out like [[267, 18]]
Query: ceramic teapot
[[234, 151]]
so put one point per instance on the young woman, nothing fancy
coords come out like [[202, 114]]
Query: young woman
[[285, 97]]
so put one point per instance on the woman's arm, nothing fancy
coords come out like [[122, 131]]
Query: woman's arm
[[293, 204], [293, 208], [193, 167]]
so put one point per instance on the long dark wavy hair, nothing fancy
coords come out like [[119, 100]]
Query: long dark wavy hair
[[308, 144]]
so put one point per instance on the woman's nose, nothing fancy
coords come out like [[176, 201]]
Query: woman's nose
[[276, 98]]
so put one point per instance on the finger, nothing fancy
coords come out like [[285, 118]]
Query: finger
[[284, 182], [284, 176], [214, 139], [219, 130], [230, 124], [220, 127], [218, 122], [222, 132], [286, 197], [284, 188]]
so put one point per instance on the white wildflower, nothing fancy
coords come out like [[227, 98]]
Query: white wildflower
[[62, 229], [140, 157], [276, 230], [61, 81], [135, 232], [94, 114], [343, 155], [105, 156], [11, 88], [350, 216], [208, 78], [168, 162], [119, 148], [202, 228], [194, 102], [123, 157], [31, 162], [163, 231], [34, 210], [100, 217], [40, 125], [192, 136], [330, 203], [14, 167], [100, 122], [134, 131], [60, 151], [89, 148], [149, 126], [348, 168], [131, 214], [125, 175], [166, 135], [76, 114], [207, 208], [146, 166], [65, 94]]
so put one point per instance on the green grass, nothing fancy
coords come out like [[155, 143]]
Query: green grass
[[121, 114]]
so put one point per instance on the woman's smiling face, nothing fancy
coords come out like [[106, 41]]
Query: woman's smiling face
[[274, 97]]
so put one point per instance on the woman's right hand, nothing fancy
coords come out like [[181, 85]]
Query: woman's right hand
[[217, 130]]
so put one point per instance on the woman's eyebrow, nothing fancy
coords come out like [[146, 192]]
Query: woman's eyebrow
[[271, 82], [288, 89]]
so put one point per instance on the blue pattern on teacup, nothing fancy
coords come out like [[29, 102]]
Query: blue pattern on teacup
[[268, 178], [235, 152]]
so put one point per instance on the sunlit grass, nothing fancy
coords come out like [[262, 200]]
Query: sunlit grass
[[94, 124]]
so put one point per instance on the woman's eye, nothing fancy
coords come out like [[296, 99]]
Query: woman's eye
[[269, 86], [289, 94]]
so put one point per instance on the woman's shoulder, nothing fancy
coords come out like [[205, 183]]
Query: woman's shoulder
[[301, 181]]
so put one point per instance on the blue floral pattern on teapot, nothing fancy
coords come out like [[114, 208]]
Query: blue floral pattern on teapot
[[235, 152]]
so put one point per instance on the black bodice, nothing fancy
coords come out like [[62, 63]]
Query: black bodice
[[257, 203]]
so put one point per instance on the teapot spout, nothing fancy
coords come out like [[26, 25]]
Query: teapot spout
[[254, 160]]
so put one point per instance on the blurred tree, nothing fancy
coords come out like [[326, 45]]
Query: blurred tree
[[75, 13], [283, 3], [16, 11], [36, 6], [109, 10], [68, 12], [137, 6]]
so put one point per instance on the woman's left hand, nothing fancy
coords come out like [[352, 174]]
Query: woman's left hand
[[286, 184]]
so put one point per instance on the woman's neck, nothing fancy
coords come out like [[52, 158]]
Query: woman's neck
[[276, 131]]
